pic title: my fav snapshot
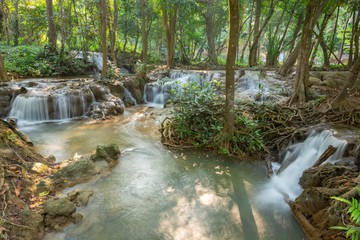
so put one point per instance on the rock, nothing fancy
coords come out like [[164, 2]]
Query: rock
[[75, 171], [314, 81], [25, 213], [44, 185], [80, 196], [77, 217], [51, 159], [60, 207], [319, 176], [40, 168], [108, 152]]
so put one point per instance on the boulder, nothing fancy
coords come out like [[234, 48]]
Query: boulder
[[80, 196], [60, 207], [40, 168], [108, 152], [44, 185], [76, 170]]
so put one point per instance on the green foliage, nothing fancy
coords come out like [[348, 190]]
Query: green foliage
[[197, 110], [198, 120], [34, 61], [353, 228]]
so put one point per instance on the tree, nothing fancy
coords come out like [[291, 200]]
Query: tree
[[313, 10], [103, 36], [113, 31], [234, 19], [144, 27], [258, 31], [51, 25], [169, 13], [3, 75], [16, 24]]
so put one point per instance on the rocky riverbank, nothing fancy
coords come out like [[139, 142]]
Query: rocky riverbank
[[29, 184]]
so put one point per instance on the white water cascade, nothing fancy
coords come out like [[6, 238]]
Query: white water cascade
[[36, 106], [301, 156], [129, 95], [160, 91], [250, 87]]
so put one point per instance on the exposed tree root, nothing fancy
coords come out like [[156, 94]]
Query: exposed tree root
[[280, 125]]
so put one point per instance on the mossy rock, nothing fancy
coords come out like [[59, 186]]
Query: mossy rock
[[108, 152], [60, 207], [75, 171]]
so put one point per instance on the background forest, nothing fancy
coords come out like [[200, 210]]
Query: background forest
[[190, 31]]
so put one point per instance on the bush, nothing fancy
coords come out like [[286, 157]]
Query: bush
[[198, 118], [33, 61]]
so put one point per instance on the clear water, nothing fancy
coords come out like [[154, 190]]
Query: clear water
[[154, 193]]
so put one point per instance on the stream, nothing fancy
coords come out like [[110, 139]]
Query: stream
[[154, 193]]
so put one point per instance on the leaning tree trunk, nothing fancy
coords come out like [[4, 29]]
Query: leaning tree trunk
[[341, 100], [230, 66], [313, 10], [103, 37], [286, 68], [63, 28], [3, 75], [51, 25]]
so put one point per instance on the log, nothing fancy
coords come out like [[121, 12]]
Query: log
[[325, 156]]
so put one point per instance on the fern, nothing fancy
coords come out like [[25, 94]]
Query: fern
[[351, 229]]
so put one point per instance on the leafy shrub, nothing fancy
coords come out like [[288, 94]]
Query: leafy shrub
[[198, 118], [33, 61], [353, 228]]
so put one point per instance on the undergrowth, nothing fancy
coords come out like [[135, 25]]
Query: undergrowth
[[36, 61]]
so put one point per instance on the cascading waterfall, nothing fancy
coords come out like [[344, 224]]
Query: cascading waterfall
[[299, 157], [37, 106], [129, 95], [160, 91]]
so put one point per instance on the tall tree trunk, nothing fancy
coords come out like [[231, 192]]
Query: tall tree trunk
[[357, 36], [255, 50], [255, 43], [230, 66], [103, 36], [3, 75], [169, 19], [144, 33], [313, 10], [325, 53], [136, 43], [209, 22], [16, 24], [341, 100], [2, 18], [350, 62], [51, 25], [62, 29], [113, 33]]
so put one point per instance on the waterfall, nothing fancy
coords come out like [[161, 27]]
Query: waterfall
[[299, 157], [129, 95], [160, 91], [37, 106]]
